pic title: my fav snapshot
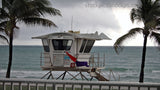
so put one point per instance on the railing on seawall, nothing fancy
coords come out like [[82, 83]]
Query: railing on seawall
[[41, 84]]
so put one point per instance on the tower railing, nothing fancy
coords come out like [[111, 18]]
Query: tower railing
[[95, 60], [45, 59]]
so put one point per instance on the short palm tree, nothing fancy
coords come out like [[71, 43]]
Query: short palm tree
[[27, 11], [148, 12]]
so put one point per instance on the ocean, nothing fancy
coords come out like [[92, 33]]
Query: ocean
[[26, 62]]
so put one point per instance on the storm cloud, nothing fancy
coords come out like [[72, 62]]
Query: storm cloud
[[87, 16], [94, 3]]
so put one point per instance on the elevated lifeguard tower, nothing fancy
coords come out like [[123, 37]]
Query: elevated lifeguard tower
[[70, 51]]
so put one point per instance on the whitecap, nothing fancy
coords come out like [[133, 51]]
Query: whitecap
[[155, 71]]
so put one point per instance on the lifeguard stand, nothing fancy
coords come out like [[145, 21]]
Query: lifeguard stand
[[70, 51]]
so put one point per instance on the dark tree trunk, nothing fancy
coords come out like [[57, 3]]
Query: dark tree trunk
[[10, 54], [141, 77]]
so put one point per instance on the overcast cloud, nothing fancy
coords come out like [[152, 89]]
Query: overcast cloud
[[98, 3], [88, 16]]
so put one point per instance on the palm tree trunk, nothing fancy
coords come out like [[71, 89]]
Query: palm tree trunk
[[141, 77], [10, 54]]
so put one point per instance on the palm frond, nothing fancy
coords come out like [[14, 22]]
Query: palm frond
[[3, 14], [146, 10], [18, 6], [157, 27], [151, 24], [6, 4], [119, 41], [4, 38], [25, 13], [3, 23], [9, 27], [154, 11], [156, 37], [44, 2], [135, 14], [2, 29], [156, 8], [40, 21], [36, 8], [42, 7], [51, 11], [158, 22]]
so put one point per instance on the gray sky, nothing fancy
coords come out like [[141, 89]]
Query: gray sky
[[108, 16], [100, 3]]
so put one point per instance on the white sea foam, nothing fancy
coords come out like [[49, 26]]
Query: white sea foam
[[36, 74], [155, 71]]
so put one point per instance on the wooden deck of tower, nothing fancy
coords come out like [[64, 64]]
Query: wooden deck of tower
[[70, 51]]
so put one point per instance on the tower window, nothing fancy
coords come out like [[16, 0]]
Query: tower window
[[45, 45], [62, 44]]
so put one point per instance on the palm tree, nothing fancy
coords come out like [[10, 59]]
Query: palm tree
[[148, 12], [28, 11]]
